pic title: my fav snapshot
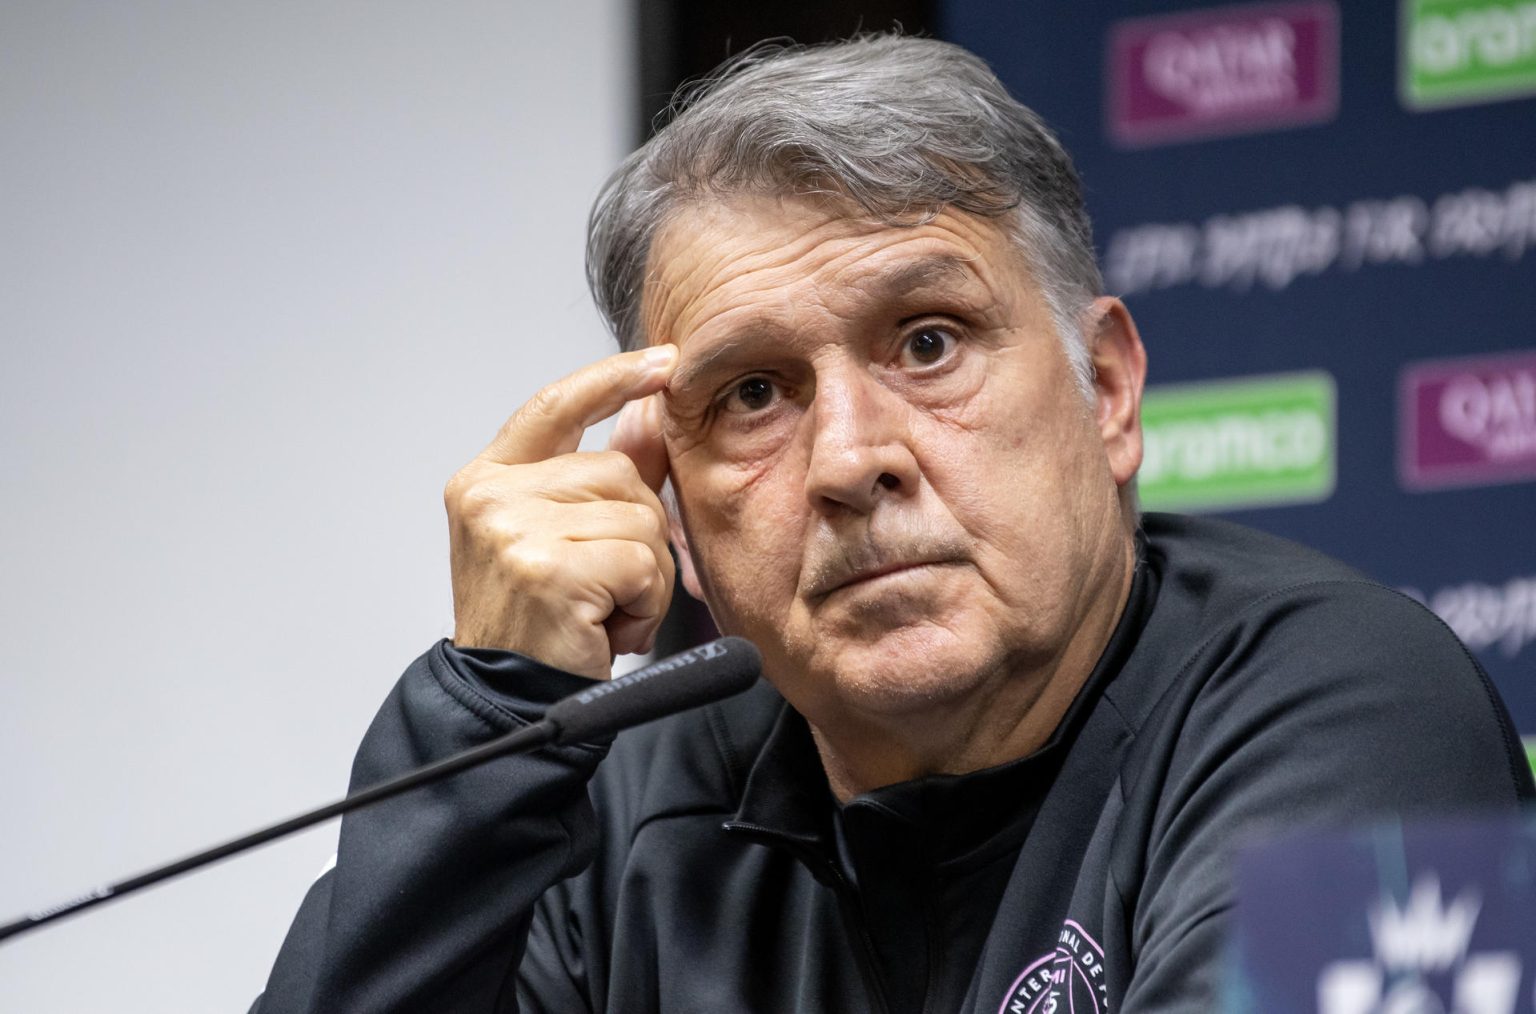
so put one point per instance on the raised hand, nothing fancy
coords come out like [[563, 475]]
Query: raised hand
[[561, 554]]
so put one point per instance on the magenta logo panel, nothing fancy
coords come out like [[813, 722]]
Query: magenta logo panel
[[1223, 70], [1468, 421]]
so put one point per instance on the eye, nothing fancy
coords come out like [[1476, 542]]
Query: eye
[[927, 346], [752, 394]]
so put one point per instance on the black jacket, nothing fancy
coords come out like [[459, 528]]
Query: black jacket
[[1250, 685]]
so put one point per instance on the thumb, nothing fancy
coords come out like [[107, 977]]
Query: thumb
[[637, 434]]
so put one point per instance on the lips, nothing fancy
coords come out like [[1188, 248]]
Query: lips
[[837, 560], [895, 568]]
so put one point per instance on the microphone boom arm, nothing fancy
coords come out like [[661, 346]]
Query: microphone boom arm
[[710, 672]]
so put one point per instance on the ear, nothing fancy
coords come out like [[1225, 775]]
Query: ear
[[679, 535], [1119, 374]]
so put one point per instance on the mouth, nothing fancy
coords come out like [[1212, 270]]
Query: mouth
[[873, 574]]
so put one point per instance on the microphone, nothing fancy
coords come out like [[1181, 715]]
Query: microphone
[[710, 672], [702, 675]]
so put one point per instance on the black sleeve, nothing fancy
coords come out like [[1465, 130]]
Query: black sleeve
[[429, 904], [1342, 703]]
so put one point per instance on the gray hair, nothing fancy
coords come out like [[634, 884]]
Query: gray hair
[[901, 127]]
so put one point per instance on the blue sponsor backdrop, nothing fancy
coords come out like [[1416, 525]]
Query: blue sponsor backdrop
[[1423, 917], [1336, 229]]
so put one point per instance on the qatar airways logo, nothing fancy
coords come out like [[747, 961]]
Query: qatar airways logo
[[1222, 70], [1422, 950], [1468, 421]]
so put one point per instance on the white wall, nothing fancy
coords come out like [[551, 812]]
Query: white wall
[[269, 273]]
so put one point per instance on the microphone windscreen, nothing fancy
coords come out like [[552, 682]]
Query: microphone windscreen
[[701, 675]]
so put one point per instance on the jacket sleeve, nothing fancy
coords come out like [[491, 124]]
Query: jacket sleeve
[[1345, 703], [429, 903]]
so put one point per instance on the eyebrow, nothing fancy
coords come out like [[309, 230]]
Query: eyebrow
[[934, 270], [925, 272], [723, 351]]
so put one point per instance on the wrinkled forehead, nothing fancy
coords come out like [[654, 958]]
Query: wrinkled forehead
[[711, 256]]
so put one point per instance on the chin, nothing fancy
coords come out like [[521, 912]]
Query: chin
[[905, 670]]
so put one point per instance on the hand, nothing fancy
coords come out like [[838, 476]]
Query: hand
[[558, 554]]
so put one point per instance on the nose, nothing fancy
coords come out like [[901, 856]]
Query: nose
[[861, 444]]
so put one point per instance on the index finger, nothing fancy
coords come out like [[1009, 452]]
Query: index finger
[[638, 436], [553, 420]]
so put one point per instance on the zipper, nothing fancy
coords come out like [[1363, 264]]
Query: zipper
[[847, 903], [853, 915], [931, 939]]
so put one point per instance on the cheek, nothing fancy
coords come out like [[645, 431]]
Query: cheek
[[1015, 468], [724, 460], [990, 458], [746, 536]]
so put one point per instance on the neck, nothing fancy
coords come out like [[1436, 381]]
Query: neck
[[1016, 715]]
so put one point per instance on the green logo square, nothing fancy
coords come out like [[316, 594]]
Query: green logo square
[[1462, 51], [1247, 442]]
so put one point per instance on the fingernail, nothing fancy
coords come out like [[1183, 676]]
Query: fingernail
[[659, 357]]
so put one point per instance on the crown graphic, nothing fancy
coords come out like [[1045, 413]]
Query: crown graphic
[[1424, 934]]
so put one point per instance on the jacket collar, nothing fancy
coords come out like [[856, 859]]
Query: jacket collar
[[943, 818]]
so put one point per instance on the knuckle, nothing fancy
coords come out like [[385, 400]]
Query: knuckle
[[632, 515], [531, 564], [453, 489], [545, 404], [653, 526], [588, 613], [614, 463], [645, 567], [656, 521], [475, 501], [637, 560]]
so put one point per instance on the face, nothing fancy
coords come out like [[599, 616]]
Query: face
[[886, 476]]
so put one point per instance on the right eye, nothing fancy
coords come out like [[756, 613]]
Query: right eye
[[752, 394]]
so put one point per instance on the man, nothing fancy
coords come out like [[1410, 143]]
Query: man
[[1011, 732]]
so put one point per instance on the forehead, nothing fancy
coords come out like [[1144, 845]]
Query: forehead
[[754, 255]]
